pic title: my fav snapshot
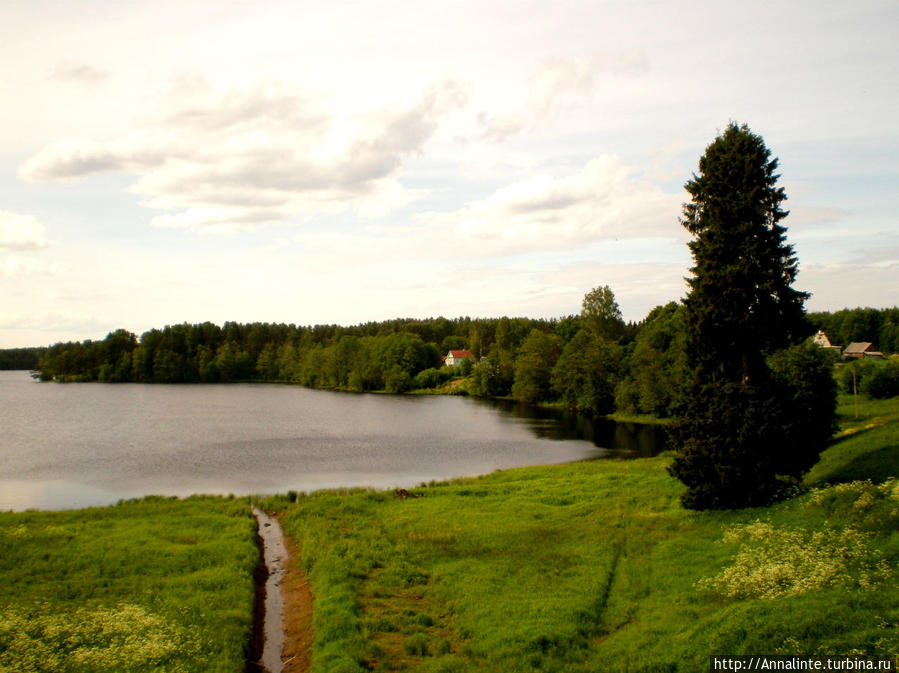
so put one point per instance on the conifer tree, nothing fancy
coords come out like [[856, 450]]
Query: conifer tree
[[732, 449]]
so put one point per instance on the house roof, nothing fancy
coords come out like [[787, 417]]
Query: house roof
[[857, 347], [460, 354], [821, 339]]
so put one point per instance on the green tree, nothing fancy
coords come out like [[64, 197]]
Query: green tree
[[452, 343], [807, 397], [288, 362], [266, 365], [142, 364], [586, 373], [168, 366], [397, 380], [406, 351], [491, 379], [534, 366], [882, 380], [601, 315], [206, 368], [122, 370], [474, 341], [741, 307], [657, 363], [234, 364], [567, 328], [20, 358]]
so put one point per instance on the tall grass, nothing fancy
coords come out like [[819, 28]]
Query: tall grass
[[594, 566], [158, 584]]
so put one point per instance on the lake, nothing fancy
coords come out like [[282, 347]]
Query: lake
[[82, 444]]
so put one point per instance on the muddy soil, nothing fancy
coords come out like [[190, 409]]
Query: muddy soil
[[297, 614]]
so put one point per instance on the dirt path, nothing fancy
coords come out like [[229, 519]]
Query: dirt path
[[297, 655]]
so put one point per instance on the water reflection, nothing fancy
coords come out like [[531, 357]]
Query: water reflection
[[624, 440]]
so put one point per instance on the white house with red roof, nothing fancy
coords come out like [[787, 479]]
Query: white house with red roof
[[454, 358]]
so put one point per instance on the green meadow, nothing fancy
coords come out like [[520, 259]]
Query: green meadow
[[594, 566], [157, 584]]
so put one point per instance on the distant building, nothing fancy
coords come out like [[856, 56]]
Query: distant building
[[820, 339], [862, 350], [454, 358]]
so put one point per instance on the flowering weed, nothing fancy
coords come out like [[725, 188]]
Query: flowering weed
[[125, 638], [775, 562]]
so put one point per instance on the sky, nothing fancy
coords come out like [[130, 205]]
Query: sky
[[345, 162]]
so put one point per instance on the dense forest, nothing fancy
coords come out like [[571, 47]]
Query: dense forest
[[593, 362], [20, 358]]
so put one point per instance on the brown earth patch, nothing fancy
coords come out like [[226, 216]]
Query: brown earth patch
[[298, 633]]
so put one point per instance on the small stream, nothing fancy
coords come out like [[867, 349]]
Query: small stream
[[275, 558]]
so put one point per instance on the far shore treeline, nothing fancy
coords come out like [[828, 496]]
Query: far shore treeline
[[594, 362], [20, 358]]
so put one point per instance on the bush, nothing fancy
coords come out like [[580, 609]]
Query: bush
[[490, 380], [775, 562], [586, 374], [806, 391], [432, 378], [466, 366], [882, 380], [874, 378], [397, 380], [852, 373]]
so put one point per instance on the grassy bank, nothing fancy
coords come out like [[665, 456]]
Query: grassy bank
[[594, 566], [153, 585]]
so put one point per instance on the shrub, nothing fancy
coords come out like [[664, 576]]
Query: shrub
[[806, 391], [397, 380], [882, 380], [126, 638], [431, 378], [773, 562]]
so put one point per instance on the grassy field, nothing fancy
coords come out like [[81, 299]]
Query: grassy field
[[157, 584], [594, 566]]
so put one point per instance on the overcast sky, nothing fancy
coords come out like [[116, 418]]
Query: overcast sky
[[336, 162]]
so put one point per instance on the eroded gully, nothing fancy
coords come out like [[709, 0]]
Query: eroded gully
[[274, 552]]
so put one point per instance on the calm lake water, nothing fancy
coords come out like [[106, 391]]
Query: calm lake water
[[76, 445]]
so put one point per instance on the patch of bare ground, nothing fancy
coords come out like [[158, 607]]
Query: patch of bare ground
[[297, 653]]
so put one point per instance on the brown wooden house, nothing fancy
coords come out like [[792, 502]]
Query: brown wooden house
[[862, 350]]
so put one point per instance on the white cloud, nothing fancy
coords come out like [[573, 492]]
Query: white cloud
[[70, 159], [247, 157], [320, 114], [78, 72], [874, 282], [638, 287], [19, 265], [558, 83], [75, 322], [606, 200], [21, 232], [810, 218], [563, 81]]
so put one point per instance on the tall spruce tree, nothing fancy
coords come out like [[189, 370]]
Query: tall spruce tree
[[732, 449]]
